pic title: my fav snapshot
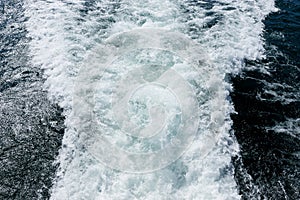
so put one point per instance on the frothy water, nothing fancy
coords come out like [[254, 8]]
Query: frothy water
[[145, 79]]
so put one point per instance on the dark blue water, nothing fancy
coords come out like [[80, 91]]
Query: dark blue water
[[266, 97], [31, 128], [268, 105]]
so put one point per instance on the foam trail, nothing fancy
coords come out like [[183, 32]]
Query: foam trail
[[64, 36], [230, 30]]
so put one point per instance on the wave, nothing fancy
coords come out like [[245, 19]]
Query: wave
[[70, 40]]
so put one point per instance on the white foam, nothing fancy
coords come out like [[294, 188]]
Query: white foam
[[283, 93], [290, 127], [62, 40]]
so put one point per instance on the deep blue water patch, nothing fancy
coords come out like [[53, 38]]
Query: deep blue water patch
[[267, 98], [31, 127]]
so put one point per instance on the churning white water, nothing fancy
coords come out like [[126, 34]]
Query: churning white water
[[143, 88]]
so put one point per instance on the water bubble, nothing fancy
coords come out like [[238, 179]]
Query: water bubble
[[140, 105]]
